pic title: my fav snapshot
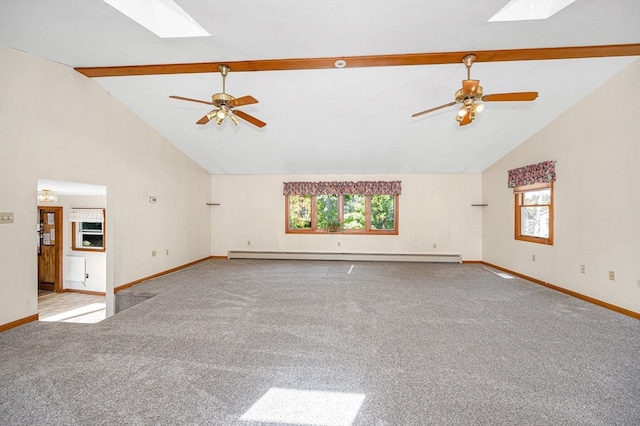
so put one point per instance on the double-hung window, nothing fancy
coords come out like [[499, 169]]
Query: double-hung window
[[533, 189], [534, 213], [87, 229]]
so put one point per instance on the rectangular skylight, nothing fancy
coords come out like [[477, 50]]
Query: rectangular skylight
[[162, 17], [525, 10]]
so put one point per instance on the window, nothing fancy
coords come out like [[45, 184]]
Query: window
[[349, 213], [87, 230], [534, 213], [365, 207]]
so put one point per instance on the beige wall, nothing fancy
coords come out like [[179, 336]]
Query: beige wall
[[597, 197], [434, 209], [57, 124]]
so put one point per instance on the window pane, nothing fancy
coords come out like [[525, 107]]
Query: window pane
[[91, 226], [354, 212], [531, 198], [534, 221], [327, 209], [89, 240], [382, 212], [300, 212]]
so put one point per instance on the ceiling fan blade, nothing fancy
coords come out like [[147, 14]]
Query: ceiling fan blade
[[206, 118], [466, 119], [245, 100], [251, 119], [507, 97], [433, 109], [191, 100], [470, 87]]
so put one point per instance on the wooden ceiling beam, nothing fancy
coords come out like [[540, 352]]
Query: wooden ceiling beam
[[537, 54]]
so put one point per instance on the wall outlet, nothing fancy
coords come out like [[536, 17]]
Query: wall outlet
[[167, 252], [248, 243], [153, 253], [533, 257], [612, 275], [338, 243], [583, 269], [434, 245]]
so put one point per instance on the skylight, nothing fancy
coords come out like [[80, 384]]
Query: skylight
[[162, 17], [525, 10]]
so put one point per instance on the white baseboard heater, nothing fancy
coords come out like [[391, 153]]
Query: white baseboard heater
[[382, 257]]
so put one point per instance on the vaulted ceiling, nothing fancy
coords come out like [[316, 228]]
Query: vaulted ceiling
[[401, 57]]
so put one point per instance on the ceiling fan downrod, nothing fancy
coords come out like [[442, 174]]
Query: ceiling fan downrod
[[468, 61], [224, 70]]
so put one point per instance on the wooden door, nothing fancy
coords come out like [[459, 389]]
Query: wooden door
[[50, 249]]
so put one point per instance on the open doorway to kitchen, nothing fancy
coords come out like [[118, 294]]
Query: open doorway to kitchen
[[71, 278]]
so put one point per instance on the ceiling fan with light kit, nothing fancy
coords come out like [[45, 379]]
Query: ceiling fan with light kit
[[471, 94], [226, 104]]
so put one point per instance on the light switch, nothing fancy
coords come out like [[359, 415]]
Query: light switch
[[6, 217]]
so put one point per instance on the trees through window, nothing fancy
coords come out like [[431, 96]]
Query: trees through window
[[350, 213], [365, 207], [534, 213]]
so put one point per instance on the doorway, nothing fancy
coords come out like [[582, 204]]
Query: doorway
[[50, 239]]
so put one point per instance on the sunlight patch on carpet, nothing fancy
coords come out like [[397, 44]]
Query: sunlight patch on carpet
[[304, 407], [500, 274]]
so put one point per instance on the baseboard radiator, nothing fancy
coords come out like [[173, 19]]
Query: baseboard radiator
[[382, 257]]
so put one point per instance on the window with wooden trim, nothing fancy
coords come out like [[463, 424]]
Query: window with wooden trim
[[350, 213], [356, 208], [87, 229], [534, 213]]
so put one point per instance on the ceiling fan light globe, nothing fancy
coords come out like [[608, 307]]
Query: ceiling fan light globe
[[479, 107], [234, 119], [462, 112]]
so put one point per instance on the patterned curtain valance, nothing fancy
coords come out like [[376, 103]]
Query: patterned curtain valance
[[342, 188], [535, 173]]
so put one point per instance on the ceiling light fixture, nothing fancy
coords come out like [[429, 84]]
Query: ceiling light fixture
[[162, 17], [47, 196], [526, 10]]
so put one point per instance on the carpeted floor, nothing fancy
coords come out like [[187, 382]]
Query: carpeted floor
[[242, 342]]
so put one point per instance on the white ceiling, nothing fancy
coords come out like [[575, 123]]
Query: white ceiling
[[335, 121]]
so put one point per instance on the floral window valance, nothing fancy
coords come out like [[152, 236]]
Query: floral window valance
[[535, 173], [343, 188]]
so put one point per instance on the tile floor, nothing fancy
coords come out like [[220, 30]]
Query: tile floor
[[71, 307]]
